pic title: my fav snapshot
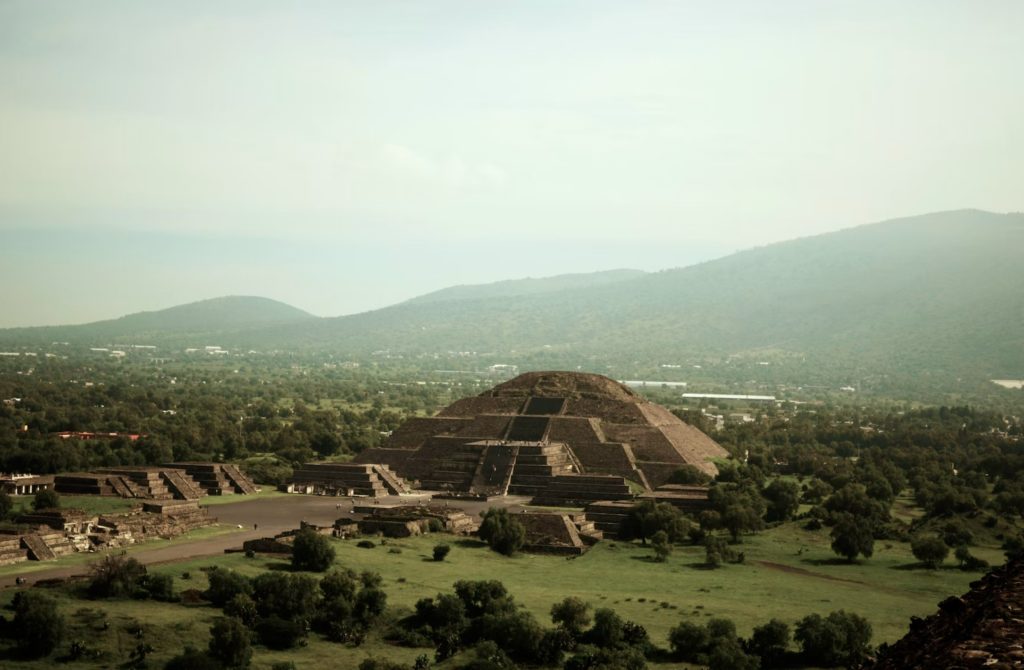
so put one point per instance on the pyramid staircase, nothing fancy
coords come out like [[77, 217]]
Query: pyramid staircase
[[238, 479], [37, 549], [181, 485], [394, 484], [536, 465]]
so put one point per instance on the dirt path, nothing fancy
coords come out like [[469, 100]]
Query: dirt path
[[807, 573], [258, 518]]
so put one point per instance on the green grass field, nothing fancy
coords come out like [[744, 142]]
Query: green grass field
[[788, 573], [88, 504]]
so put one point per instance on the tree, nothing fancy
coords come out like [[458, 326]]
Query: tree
[[339, 584], [689, 475], [838, 639], [769, 642], [649, 517], [243, 608], [853, 536], [662, 547], [783, 498], [929, 549], [969, 561], [277, 633], [608, 629], [311, 551], [6, 504], [502, 531], [572, 615], [230, 642], [441, 551], [46, 499], [38, 627], [288, 596], [115, 576], [225, 585]]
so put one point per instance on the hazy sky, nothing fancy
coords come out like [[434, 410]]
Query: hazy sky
[[341, 156]]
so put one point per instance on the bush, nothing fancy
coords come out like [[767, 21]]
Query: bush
[[968, 561], [441, 551], [662, 547], [116, 576], [229, 642], [225, 585], [160, 587], [572, 615], [243, 608], [46, 499], [277, 633], [6, 504], [502, 532], [365, 544], [311, 551], [289, 596], [769, 642], [689, 474], [37, 627], [929, 549]]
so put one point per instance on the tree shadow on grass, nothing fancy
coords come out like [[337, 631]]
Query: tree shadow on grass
[[701, 566], [468, 543], [924, 568]]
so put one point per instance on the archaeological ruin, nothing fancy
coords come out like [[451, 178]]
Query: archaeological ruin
[[565, 438]]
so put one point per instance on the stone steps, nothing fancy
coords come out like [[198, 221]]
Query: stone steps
[[37, 549]]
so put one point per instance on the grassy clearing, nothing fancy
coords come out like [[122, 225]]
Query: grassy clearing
[[88, 504], [789, 572]]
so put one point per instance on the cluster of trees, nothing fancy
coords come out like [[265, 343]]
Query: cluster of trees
[[280, 609], [198, 411], [484, 617]]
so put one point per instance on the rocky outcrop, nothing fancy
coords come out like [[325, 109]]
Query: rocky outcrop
[[984, 628]]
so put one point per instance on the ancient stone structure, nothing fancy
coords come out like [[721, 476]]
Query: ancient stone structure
[[45, 535], [525, 435], [23, 485], [984, 628], [216, 479], [181, 481], [346, 479], [558, 533], [406, 520]]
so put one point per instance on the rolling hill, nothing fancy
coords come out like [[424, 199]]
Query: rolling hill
[[205, 317], [940, 294]]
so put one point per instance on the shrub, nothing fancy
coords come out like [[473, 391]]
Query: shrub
[[277, 633], [502, 531], [365, 544], [769, 642], [160, 587], [441, 551], [229, 642], [572, 615], [6, 504], [37, 627], [689, 474], [968, 561], [311, 551], [288, 596], [662, 547], [339, 584], [46, 499], [243, 608], [225, 585], [115, 576]]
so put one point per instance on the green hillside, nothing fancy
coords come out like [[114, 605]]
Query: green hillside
[[940, 295], [528, 286], [942, 292], [214, 316]]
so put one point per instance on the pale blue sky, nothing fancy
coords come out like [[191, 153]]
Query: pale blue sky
[[341, 156]]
